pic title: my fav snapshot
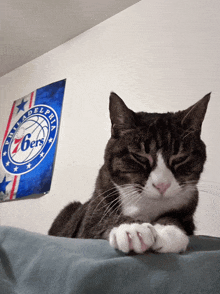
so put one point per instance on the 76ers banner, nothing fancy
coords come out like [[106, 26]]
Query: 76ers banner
[[29, 144]]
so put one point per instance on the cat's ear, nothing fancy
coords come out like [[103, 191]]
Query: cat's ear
[[121, 116], [193, 116]]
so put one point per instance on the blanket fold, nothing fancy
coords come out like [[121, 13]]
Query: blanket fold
[[32, 263]]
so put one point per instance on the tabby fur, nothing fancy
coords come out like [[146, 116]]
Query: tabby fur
[[128, 207]]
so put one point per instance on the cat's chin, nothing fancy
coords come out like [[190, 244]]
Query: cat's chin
[[162, 197], [151, 195]]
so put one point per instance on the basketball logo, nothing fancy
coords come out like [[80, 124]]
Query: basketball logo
[[30, 139]]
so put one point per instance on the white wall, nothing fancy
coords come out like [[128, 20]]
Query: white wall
[[158, 56]]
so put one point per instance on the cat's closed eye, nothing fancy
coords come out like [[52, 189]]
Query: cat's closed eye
[[180, 160], [183, 165], [145, 159]]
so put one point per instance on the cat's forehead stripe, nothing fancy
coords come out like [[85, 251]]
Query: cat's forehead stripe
[[160, 160]]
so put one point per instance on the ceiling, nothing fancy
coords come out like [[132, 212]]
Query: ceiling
[[30, 28]]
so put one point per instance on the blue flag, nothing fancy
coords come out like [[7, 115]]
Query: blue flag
[[29, 144]]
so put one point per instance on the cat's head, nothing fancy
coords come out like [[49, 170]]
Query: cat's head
[[161, 154]]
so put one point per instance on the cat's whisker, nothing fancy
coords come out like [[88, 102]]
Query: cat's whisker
[[138, 198], [109, 204], [205, 186], [203, 182], [120, 204], [114, 192], [129, 195], [105, 202], [210, 190], [188, 133], [209, 181], [109, 208], [209, 186]]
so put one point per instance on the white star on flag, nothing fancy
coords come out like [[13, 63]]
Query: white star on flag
[[29, 165]]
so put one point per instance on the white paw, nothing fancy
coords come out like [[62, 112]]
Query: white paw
[[170, 239], [137, 237]]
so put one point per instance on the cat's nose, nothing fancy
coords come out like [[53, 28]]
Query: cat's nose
[[162, 187]]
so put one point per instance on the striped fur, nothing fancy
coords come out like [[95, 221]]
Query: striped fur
[[152, 165]]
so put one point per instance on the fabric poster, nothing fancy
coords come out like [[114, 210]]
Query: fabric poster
[[29, 143]]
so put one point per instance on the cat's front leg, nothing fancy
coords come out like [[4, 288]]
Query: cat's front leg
[[169, 238], [135, 236], [141, 237]]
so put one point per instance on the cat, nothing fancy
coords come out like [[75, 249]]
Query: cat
[[146, 191]]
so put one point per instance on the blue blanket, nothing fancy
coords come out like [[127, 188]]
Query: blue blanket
[[36, 264]]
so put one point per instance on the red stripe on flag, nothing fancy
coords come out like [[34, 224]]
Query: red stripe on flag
[[31, 100], [13, 187], [8, 126]]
